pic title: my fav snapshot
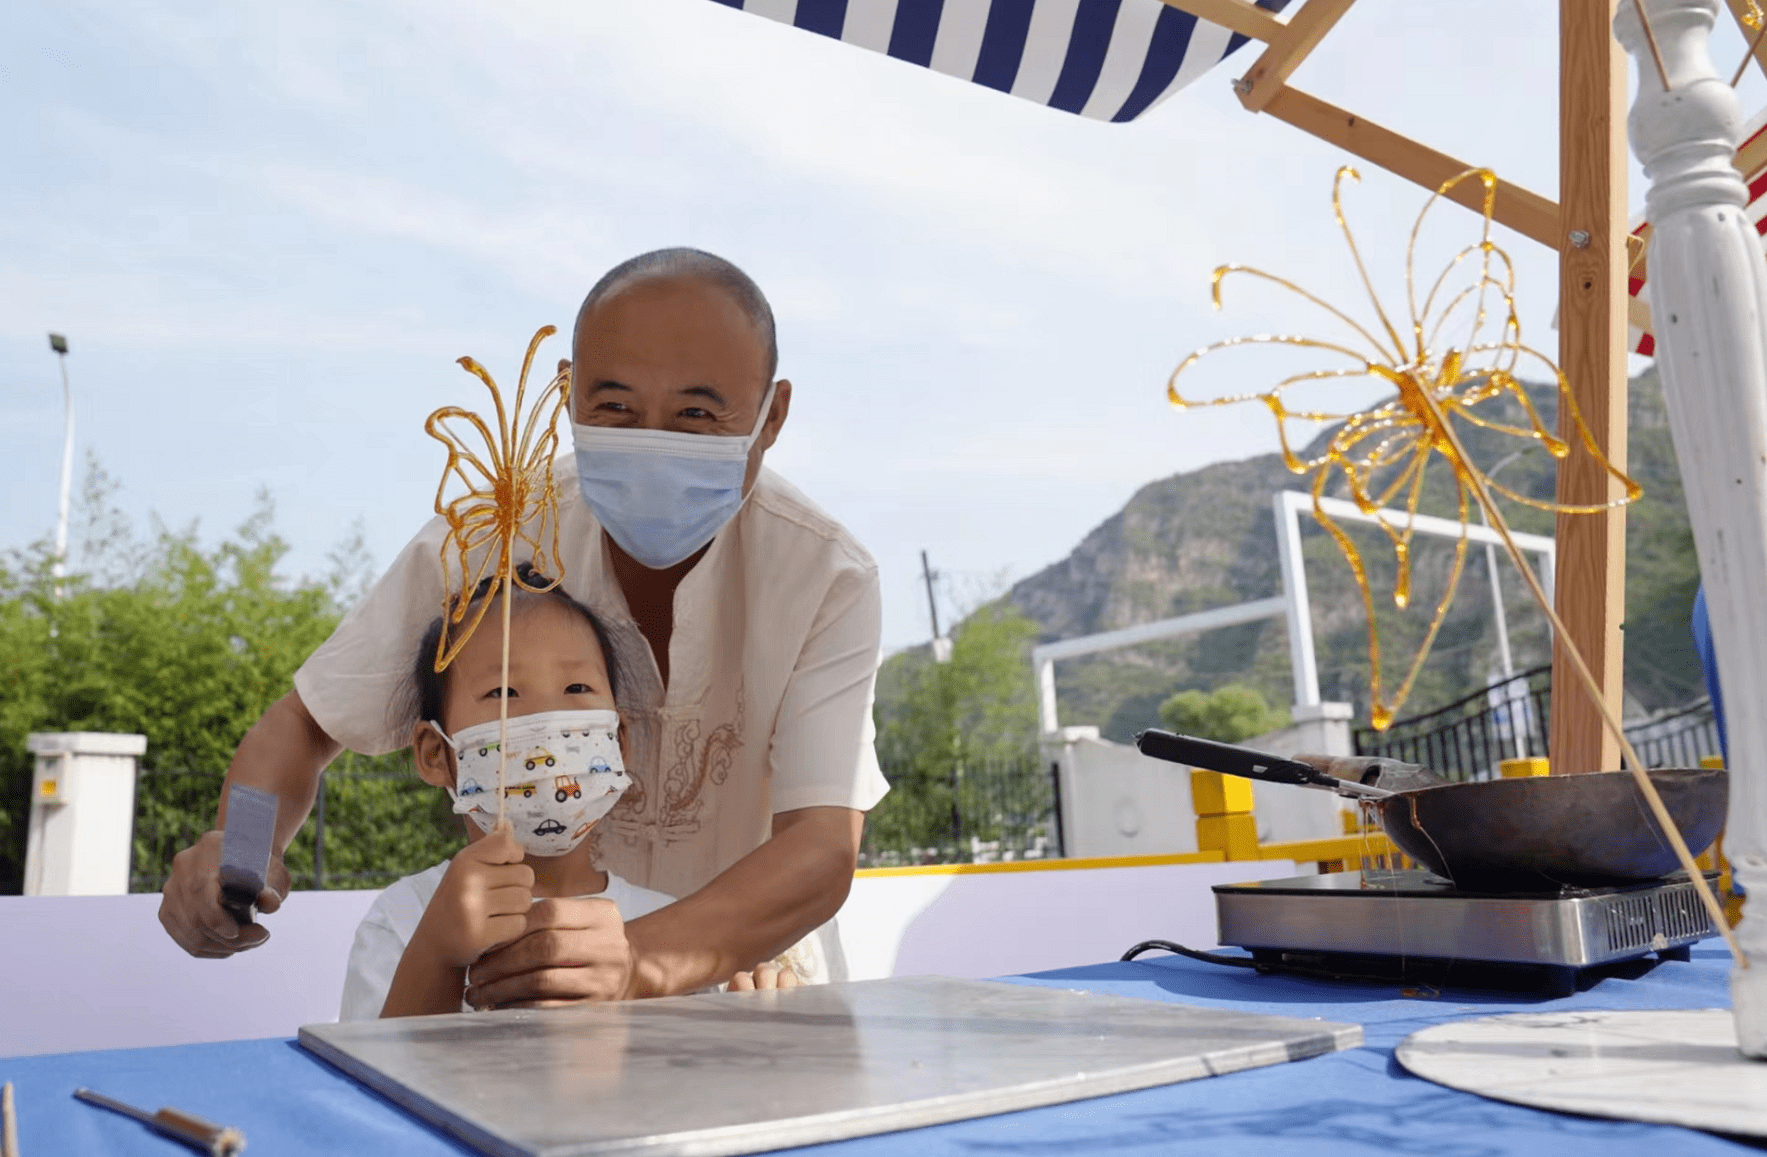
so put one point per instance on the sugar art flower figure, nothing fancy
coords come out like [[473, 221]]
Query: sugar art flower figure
[[507, 501], [1451, 357]]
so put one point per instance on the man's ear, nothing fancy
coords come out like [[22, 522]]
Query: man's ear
[[434, 759], [776, 414]]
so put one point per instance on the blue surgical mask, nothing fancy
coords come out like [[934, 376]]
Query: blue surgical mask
[[662, 494]]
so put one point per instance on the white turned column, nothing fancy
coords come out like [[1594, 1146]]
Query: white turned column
[[1708, 291]]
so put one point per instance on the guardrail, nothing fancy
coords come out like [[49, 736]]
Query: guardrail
[[374, 821], [1470, 737], [989, 811]]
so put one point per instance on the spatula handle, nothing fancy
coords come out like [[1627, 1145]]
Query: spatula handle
[[1227, 759]]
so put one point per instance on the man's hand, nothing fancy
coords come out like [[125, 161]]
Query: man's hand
[[283, 754], [190, 903], [572, 950], [482, 902], [765, 975]]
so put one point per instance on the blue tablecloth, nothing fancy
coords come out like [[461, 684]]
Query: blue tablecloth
[[1356, 1102]]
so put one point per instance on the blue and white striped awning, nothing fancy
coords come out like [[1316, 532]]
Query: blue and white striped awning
[[1110, 60]]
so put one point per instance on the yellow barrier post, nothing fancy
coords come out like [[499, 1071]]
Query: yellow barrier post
[[1524, 768], [1224, 820], [1713, 858]]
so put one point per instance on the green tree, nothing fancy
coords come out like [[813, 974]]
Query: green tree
[[187, 646], [1228, 714], [946, 731]]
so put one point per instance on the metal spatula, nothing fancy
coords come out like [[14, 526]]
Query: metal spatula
[[245, 849]]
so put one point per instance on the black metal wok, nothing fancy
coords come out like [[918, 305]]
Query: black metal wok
[[1501, 835]]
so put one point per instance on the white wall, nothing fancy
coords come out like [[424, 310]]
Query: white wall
[[98, 972], [1003, 923], [1299, 813], [1117, 802]]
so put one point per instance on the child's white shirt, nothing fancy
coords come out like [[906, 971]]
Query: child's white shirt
[[392, 920]]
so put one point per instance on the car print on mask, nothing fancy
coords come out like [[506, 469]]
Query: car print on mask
[[470, 787], [566, 787], [548, 827], [525, 790], [537, 757]]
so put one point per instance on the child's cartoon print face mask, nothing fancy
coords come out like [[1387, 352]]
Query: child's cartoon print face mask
[[564, 773]]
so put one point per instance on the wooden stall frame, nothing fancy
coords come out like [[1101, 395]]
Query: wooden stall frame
[[1587, 229]]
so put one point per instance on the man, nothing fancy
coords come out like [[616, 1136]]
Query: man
[[755, 621]]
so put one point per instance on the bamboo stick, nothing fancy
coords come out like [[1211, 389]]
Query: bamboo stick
[[1640, 775]]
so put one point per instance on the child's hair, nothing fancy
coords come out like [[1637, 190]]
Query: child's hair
[[430, 688]]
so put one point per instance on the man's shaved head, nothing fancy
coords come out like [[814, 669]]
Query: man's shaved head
[[703, 266]]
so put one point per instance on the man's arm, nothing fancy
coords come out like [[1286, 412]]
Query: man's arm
[[757, 908], [283, 753], [763, 904]]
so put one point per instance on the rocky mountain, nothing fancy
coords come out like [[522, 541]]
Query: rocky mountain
[[1206, 538]]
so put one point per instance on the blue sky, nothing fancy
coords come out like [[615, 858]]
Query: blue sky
[[268, 231]]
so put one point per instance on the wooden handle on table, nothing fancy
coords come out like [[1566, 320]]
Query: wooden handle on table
[[215, 1140]]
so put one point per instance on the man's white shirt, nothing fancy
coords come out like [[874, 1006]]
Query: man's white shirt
[[772, 670]]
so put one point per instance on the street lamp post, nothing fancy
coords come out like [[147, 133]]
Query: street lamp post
[[58, 343]]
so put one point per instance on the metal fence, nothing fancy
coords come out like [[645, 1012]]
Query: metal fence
[[981, 812], [369, 826], [1678, 738], [372, 824], [1468, 738]]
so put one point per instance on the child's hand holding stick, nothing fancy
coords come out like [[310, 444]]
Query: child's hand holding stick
[[483, 900], [482, 903]]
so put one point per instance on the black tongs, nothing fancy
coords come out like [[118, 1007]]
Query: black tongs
[[1248, 763]]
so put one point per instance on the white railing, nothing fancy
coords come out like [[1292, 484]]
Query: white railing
[[1293, 604]]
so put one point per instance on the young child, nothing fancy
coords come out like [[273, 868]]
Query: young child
[[564, 772]]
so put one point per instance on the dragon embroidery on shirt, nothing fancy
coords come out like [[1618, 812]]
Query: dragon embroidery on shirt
[[694, 767]]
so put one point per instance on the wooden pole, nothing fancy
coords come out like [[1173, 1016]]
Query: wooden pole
[[1739, 9], [1299, 37], [1590, 590], [1527, 213], [1241, 16]]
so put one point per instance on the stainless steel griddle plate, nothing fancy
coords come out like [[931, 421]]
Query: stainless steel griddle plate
[[1416, 914], [750, 1072]]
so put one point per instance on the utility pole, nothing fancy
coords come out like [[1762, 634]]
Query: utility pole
[[942, 654], [926, 572], [941, 645], [58, 343]]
